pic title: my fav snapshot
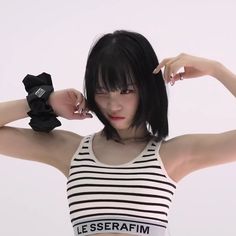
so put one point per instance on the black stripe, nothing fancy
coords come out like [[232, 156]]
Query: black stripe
[[148, 155], [116, 214], [120, 179], [119, 201], [153, 144], [154, 159], [117, 219], [115, 168], [151, 150], [83, 153], [85, 147], [119, 186], [119, 208], [84, 159], [119, 193], [112, 173]]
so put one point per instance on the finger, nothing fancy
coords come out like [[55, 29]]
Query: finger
[[171, 66], [181, 75], [177, 75], [168, 73], [167, 68], [172, 70], [81, 106], [177, 65], [80, 116], [86, 111], [83, 116], [83, 111], [75, 95], [161, 65], [80, 98], [168, 61]]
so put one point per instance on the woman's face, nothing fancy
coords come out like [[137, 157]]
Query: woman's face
[[118, 107]]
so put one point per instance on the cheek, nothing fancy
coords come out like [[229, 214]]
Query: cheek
[[100, 101], [133, 101]]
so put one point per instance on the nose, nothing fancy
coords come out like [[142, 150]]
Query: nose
[[114, 104]]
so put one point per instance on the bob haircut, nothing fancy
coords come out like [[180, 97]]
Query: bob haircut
[[117, 60]]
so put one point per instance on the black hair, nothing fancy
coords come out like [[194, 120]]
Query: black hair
[[121, 58]]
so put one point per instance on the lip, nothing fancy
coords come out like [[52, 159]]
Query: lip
[[116, 117]]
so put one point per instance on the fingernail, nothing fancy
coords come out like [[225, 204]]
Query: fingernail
[[155, 71], [172, 82]]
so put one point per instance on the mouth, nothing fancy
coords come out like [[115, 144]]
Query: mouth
[[116, 118]]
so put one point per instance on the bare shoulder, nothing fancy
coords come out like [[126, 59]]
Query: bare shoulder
[[55, 148]]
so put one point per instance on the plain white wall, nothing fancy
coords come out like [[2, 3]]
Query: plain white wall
[[55, 36]]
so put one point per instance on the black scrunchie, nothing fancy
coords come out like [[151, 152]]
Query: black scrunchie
[[39, 88]]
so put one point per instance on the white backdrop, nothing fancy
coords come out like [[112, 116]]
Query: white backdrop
[[55, 36]]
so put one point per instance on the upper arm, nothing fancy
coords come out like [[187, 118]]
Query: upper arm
[[55, 148], [188, 153], [211, 149]]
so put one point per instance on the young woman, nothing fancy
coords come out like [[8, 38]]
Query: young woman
[[123, 178]]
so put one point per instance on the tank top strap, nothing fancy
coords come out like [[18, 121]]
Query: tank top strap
[[82, 148], [155, 145]]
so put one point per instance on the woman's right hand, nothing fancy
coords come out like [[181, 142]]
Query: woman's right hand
[[69, 104]]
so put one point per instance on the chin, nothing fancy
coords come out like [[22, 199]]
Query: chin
[[120, 127], [123, 125]]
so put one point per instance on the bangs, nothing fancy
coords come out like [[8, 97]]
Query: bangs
[[117, 61], [114, 72]]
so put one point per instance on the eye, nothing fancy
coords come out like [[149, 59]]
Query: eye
[[127, 91]]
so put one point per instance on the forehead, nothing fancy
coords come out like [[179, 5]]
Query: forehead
[[113, 77]]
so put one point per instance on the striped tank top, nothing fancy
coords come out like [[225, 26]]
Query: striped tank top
[[132, 198]]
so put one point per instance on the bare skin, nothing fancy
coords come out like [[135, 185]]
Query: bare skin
[[180, 155], [192, 152]]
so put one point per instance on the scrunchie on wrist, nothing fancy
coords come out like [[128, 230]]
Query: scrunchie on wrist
[[39, 88]]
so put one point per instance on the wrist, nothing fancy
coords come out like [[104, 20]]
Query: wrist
[[51, 102], [215, 69], [220, 72], [39, 89]]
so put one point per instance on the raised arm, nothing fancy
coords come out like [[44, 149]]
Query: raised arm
[[195, 67], [12, 111], [54, 148], [226, 77], [190, 152]]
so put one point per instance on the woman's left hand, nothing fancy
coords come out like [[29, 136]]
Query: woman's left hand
[[193, 67]]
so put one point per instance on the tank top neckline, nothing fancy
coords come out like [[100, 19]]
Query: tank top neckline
[[91, 138]]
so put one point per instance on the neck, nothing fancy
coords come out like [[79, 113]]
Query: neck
[[134, 134]]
